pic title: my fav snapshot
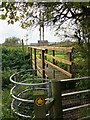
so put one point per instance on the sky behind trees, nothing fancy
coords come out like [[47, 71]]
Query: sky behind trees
[[16, 31]]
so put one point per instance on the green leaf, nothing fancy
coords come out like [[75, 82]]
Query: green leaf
[[3, 17], [12, 22], [3, 4]]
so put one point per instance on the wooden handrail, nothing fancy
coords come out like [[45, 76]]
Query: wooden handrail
[[59, 59], [65, 49], [35, 47], [58, 68]]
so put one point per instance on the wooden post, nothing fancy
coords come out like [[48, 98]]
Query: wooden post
[[40, 26], [23, 50], [69, 58], [53, 55], [56, 93], [43, 64], [53, 61], [43, 26], [31, 57], [46, 56], [39, 105], [35, 61]]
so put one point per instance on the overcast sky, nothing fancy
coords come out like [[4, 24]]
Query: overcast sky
[[16, 31]]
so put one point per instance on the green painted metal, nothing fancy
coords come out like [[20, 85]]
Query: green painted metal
[[39, 109]]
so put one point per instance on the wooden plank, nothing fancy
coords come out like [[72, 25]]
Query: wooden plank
[[60, 69], [30, 49], [53, 61], [59, 59], [69, 58], [65, 49], [38, 68], [36, 47], [40, 71], [35, 59], [43, 64]]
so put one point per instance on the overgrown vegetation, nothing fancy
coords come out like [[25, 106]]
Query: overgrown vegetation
[[13, 60]]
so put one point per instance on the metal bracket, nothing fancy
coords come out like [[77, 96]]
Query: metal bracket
[[49, 103]]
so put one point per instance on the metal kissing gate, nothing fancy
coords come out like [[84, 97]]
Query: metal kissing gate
[[32, 96]]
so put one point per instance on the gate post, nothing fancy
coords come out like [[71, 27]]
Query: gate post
[[43, 64], [35, 61], [31, 57], [53, 61], [39, 104], [69, 58], [56, 94]]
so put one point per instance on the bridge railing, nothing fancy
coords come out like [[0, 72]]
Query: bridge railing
[[47, 55]]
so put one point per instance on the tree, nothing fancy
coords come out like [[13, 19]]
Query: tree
[[12, 41]]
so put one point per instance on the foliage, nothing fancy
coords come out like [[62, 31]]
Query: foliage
[[80, 63], [12, 41], [12, 60], [6, 105]]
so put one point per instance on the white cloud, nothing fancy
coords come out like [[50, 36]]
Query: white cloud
[[10, 31]]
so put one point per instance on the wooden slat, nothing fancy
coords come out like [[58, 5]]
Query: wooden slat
[[65, 49], [39, 70], [59, 69], [59, 59], [36, 47]]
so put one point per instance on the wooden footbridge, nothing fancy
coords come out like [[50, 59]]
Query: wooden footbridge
[[51, 62]]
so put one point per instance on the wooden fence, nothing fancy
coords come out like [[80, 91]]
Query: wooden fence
[[39, 59]]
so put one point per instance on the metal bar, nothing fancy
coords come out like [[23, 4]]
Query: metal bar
[[77, 107], [25, 84], [84, 118], [73, 93], [18, 112], [74, 79], [20, 99]]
